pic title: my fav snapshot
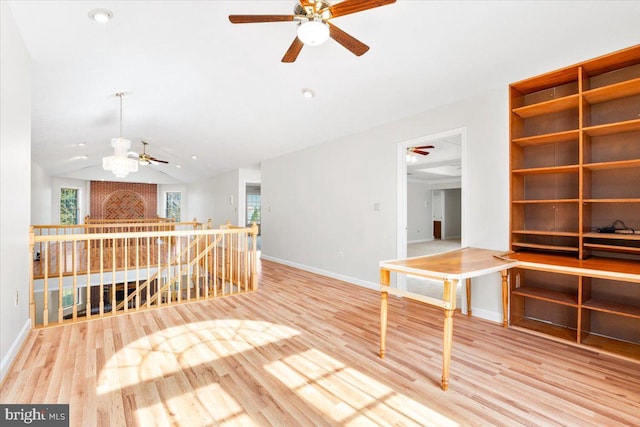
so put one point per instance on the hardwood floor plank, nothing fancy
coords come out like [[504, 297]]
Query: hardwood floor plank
[[302, 350]]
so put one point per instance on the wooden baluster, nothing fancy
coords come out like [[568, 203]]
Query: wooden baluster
[[147, 301], [101, 305], [61, 268], [137, 273], [88, 309], [75, 281], [114, 243], [254, 257], [44, 258]]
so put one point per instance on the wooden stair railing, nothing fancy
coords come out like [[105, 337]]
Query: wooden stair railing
[[166, 267]]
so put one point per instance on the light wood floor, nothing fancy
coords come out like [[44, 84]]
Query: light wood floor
[[303, 351]]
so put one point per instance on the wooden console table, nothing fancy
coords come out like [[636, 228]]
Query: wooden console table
[[450, 267]]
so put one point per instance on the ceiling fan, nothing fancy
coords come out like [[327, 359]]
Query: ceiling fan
[[420, 150], [144, 158], [314, 28]]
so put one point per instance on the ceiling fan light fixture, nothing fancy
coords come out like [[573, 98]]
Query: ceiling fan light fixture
[[308, 93], [313, 32]]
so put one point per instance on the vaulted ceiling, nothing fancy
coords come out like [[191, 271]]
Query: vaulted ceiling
[[200, 86]]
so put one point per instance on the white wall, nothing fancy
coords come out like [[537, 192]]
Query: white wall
[[318, 203], [215, 198], [41, 196], [15, 191], [419, 223]]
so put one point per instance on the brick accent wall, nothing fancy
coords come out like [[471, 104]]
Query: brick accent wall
[[123, 200]]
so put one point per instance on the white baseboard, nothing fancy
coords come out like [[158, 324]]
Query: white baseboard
[[486, 314], [353, 280], [8, 358], [411, 242], [492, 316]]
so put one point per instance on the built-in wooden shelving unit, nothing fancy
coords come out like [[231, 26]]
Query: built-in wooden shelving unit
[[575, 169]]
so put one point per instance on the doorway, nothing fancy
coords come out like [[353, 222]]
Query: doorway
[[431, 196]]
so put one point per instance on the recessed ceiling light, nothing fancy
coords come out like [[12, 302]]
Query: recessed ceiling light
[[83, 157], [194, 157], [101, 15], [178, 166], [81, 144], [308, 93]]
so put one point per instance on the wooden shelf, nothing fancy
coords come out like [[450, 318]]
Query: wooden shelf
[[545, 328], [625, 349], [634, 200], [547, 233], [550, 138], [551, 169], [613, 128], [546, 247], [611, 92], [613, 248], [548, 295], [548, 107], [632, 163], [542, 201], [613, 236], [613, 307]]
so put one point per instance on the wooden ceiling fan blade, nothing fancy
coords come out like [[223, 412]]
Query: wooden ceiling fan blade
[[348, 41], [250, 19], [292, 53], [153, 159], [425, 146], [347, 7], [424, 153]]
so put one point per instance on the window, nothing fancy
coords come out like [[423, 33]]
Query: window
[[67, 297], [172, 203], [68, 206]]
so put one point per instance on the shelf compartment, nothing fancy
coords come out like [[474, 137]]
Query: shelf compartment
[[561, 332], [612, 181], [548, 107], [552, 155], [625, 349], [613, 326], [613, 307], [614, 91], [556, 137], [613, 128], [614, 111], [549, 295]]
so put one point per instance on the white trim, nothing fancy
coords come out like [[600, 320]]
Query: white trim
[[491, 316], [401, 159], [411, 242], [8, 358], [348, 279]]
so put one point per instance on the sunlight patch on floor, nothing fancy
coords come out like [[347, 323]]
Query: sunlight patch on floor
[[347, 396]]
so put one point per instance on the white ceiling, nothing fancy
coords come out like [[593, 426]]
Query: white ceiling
[[201, 85]]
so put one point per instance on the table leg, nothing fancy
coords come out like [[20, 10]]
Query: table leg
[[384, 302], [447, 334], [468, 283], [505, 298]]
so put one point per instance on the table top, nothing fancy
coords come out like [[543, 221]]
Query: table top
[[457, 264]]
